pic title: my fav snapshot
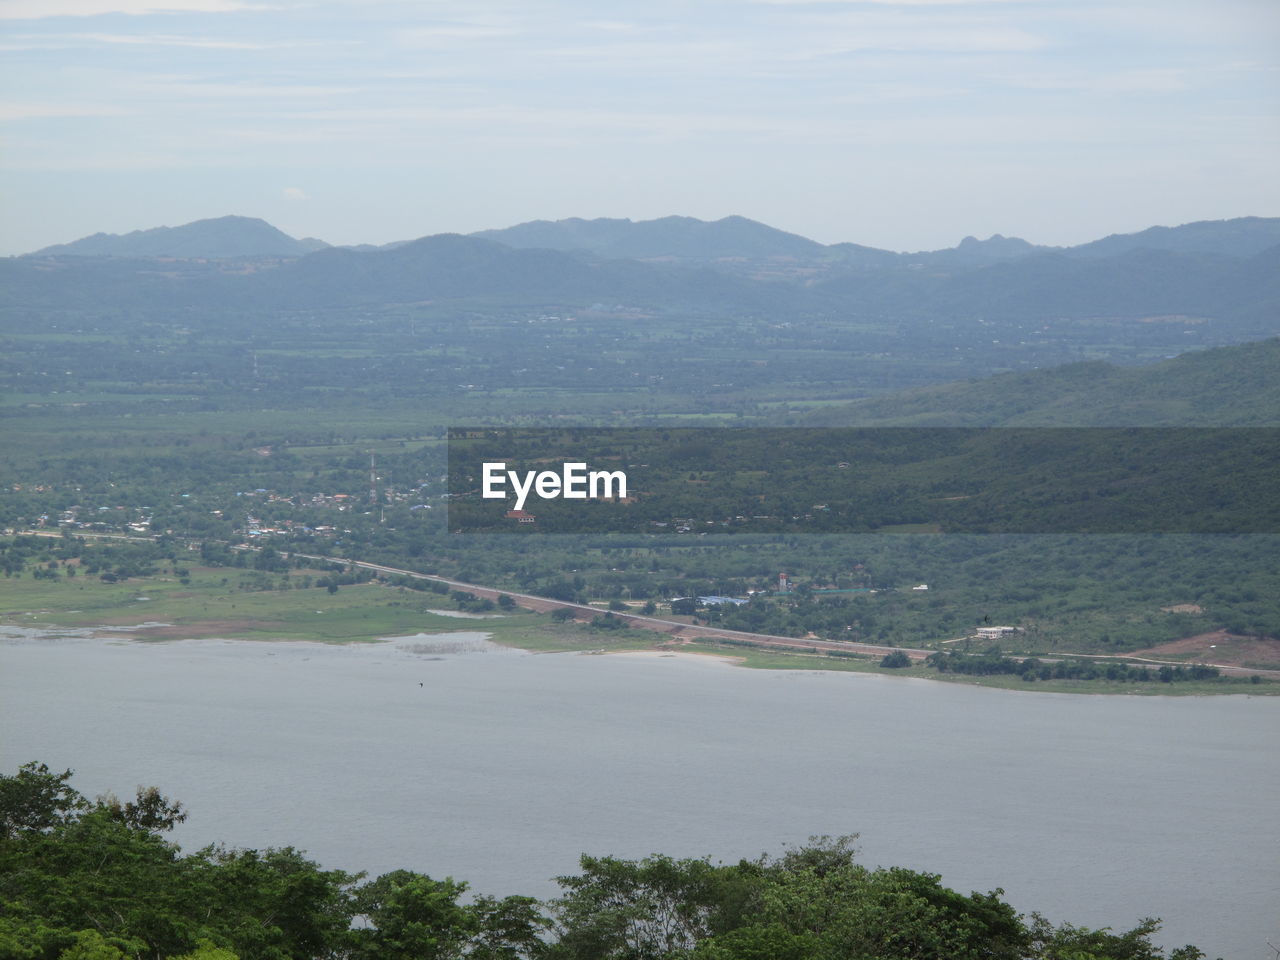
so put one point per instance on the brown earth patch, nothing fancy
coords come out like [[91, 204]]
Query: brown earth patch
[[228, 629], [1220, 647]]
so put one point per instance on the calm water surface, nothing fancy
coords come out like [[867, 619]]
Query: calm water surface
[[448, 756]]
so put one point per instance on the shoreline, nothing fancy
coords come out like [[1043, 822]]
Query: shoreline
[[753, 659]]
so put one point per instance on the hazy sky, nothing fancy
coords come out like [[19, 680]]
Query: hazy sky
[[904, 124]]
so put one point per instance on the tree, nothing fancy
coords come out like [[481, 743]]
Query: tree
[[768, 942], [94, 872], [207, 950], [563, 614], [412, 917], [271, 903], [811, 902], [37, 799], [638, 909], [510, 928], [150, 810], [1068, 942], [91, 945], [82, 881]]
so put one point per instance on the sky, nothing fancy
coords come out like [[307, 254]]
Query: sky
[[902, 124]]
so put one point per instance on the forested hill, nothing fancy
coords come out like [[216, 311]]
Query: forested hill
[[1226, 386], [676, 237], [687, 238], [454, 267], [1238, 297], [219, 238], [1241, 237]]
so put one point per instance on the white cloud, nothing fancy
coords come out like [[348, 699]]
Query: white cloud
[[41, 9], [613, 26], [451, 33], [889, 91], [172, 40], [959, 39], [178, 88], [295, 193], [1154, 81], [37, 111], [890, 3]]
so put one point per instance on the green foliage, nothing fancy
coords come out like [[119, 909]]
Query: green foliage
[[272, 904], [1068, 942], [771, 941], [36, 799], [91, 945], [993, 662], [91, 881], [412, 917], [640, 910], [869, 479], [812, 903], [150, 810], [470, 603], [409, 916], [207, 950]]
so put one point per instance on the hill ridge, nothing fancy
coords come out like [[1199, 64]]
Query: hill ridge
[[227, 237]]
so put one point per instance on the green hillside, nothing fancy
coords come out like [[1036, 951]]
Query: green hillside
[[1227, 386]]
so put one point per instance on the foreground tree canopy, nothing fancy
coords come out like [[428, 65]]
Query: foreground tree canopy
[[97, 880]]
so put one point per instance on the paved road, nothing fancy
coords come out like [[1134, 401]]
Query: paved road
[[673, 628]]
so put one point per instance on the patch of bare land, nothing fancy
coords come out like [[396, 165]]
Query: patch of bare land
[[666, 651], [1219, 647], [197, 630]]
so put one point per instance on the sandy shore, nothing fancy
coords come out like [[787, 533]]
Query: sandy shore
[[681, 654]]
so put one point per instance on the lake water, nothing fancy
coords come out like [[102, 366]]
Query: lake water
[[452, 757]]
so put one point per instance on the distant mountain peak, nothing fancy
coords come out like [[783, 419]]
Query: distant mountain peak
[[217, 238], [1238, 237], [675, 236]]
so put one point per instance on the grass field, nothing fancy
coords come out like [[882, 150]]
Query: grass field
[[219, 602]]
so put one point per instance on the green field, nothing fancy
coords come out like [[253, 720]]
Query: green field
[[226, 603]]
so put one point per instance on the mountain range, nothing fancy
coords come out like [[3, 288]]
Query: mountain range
[[1222, 275], [674, 239]]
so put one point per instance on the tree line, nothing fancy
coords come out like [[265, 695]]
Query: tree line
[[97, 879]]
